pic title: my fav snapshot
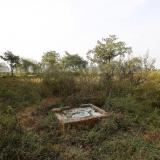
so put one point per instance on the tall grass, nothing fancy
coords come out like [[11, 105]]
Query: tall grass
[[130, 132]]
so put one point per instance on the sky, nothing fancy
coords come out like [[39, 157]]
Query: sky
[[29, 28]]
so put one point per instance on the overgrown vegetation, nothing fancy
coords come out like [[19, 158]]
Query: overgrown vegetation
[[125, 86]]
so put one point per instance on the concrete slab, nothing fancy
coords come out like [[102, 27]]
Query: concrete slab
[[84, 113]]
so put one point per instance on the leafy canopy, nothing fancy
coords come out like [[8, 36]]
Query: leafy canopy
[[12, 59], [28, 65], [73, 62], [50, 57], [107, 49]]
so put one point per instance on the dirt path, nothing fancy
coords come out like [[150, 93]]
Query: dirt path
[[28, 119]]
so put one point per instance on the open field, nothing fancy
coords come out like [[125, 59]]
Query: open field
[[30, 131], [79, 80], [125, 125]]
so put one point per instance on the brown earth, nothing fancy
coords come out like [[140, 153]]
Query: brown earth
[[27, 117]]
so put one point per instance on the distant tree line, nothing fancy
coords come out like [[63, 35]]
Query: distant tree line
[[109, 55]]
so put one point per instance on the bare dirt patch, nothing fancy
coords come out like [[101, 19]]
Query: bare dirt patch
[[27, 117]]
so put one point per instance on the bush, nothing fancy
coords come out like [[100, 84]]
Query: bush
[[125, 148], [18, 92], [16, 143], [60, 83]]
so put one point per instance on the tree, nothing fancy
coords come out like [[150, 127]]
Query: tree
[[25, 65], [36, 67], [103, 54], [30, 66], [12, 59], [107, 49], [127, 67], [148, 63], [73, 62], [50, 58]]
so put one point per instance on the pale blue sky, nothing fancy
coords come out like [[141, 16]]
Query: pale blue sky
[[31, 27]]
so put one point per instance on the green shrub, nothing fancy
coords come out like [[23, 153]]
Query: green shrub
[[122, 148], [16, 143], [60, 83], [18, 92]]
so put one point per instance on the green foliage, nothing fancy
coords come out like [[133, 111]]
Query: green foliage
[[73, 62], [50, 58], [150, 89], [122, 148], [126, 87], [12, 59], [60, 82], [18, 92], [29, 66], [26, 64], [74, 153], [108, 49], [16, 143], [120, 136], [49, 123]]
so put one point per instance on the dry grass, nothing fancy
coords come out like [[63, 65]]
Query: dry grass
[[27, 116]]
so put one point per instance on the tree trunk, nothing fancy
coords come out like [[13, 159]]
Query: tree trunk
[[11, 71]]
